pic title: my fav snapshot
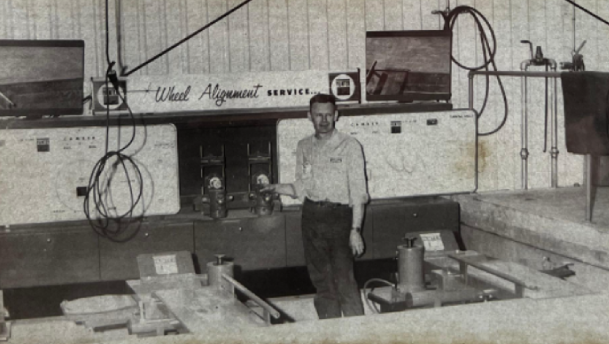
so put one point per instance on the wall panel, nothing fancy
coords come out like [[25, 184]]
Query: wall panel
[[173, 19], [299, 40], [131, 34], [337, 35], [319, 45], [219, 59], [259, 35], [154, 36], [507, 150], [411, 12], [492, 113], [375, 15], [197, 52], [238, 36], [279, 35], [602, 9], [62, 28], [520, 31], [356, 35], [465, 44], [431, 21], [393, 13]]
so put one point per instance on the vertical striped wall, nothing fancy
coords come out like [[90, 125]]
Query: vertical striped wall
[[276, 35]]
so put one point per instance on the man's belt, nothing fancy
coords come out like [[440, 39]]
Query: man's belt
[[325, 204]]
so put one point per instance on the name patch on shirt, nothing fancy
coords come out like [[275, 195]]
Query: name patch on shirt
[[336, 160], [306, 168]]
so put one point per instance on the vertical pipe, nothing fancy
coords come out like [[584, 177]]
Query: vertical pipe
[[588, 187], [554, 149], [471, 107], [471, 92], [523, 135]]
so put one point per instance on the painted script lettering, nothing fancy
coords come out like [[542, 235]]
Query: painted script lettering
[[170, 94], [220, 95]]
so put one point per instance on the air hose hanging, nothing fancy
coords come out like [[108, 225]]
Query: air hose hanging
[[488, 50]]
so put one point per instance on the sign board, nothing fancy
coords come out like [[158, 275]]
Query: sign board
[[165, 265], [432, 241], [345, 86], [212, 92]]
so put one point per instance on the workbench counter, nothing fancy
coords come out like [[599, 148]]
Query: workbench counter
[[542, 228], [578, 319]]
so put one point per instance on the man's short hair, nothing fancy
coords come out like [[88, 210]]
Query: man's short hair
[[322, 98]]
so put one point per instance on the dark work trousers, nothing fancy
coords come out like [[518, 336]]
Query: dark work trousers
[[325, 234]]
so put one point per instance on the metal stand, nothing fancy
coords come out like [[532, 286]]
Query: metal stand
[[589, 163], [552, 106]]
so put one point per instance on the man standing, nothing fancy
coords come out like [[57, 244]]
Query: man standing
[[331, 182]]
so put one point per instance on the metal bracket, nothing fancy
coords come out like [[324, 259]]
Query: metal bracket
[[524, 154], [554, 152]]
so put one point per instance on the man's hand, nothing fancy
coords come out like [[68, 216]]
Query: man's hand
[[356, 243], [282, 189], [269, 188]]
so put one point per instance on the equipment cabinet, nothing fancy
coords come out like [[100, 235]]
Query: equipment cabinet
[[393, 221], [385, 225], [48, 256], [293, 233], [74, 253], [118, 260], [250, 242]]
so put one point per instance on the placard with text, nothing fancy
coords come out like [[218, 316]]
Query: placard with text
[[188, 92]]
